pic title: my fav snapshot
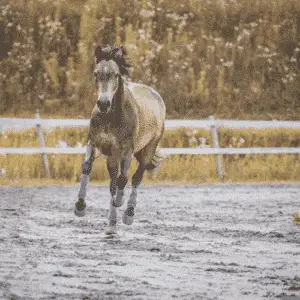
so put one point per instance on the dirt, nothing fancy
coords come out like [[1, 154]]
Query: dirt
[[187, 242]]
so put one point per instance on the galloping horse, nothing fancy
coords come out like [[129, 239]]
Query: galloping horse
[[128, 119]]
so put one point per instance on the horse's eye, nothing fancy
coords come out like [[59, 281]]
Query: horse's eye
[[95, 73]]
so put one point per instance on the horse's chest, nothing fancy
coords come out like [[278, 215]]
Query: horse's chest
[[107, 142]]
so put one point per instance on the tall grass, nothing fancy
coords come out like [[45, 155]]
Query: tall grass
[[178, 168], [233, 59]]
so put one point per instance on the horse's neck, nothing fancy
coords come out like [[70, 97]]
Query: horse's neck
[[117, 109]]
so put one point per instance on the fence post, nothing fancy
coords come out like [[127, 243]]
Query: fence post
[[215, 141], [42, 143]]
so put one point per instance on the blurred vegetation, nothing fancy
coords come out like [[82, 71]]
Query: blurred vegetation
[[230, 58], [177, 168]]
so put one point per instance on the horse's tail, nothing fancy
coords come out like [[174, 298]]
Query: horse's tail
[[157, 159]]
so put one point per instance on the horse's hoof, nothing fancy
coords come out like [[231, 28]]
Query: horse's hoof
[[80, 208], [119, 199], [79, 213], [128, 216], [111, 230]]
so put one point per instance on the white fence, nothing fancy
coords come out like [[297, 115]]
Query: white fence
[[19, 124], [208, 124]]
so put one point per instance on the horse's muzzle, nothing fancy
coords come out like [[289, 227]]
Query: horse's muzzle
[[103, 104]]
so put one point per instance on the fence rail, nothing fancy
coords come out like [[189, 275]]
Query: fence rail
[[208, 124], [167, 151], [20, 124]]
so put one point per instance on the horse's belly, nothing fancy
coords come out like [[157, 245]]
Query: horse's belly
[[143, 141]]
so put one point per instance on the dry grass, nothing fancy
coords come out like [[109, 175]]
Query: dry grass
[[175, 169]]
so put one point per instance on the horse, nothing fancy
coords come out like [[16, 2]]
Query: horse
[[127, 121]]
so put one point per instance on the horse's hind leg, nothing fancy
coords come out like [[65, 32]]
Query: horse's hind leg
[[113, 169], [144, 158], [137, 177], [84, 179]]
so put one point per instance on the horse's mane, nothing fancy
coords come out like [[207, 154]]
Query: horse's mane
[[117, 54]]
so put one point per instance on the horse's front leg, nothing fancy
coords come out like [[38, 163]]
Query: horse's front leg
[[122, 179], [137, 177], [113, 169], [84, 179]]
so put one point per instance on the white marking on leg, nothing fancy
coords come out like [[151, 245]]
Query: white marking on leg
[[119, 198], [88, 152], [128, 215], [112, 218], [132, 198], [112, 215], [84, 179]]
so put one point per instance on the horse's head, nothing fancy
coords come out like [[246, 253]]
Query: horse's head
[[110, 67]]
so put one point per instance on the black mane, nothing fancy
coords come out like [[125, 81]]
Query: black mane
[[117, 54]]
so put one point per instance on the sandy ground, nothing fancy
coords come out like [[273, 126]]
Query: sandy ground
[[187, 242]]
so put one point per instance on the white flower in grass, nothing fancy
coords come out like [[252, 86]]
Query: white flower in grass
[[190, 47], [293, 59], [189, 133], [228, 64], [61, 144], [194, 130], [218, 40], [203, 144], [177, 76], [228, 45], [2, 172], [192, 140], [147, 13]]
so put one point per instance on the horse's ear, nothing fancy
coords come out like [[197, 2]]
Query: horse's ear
[[99, 54]]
